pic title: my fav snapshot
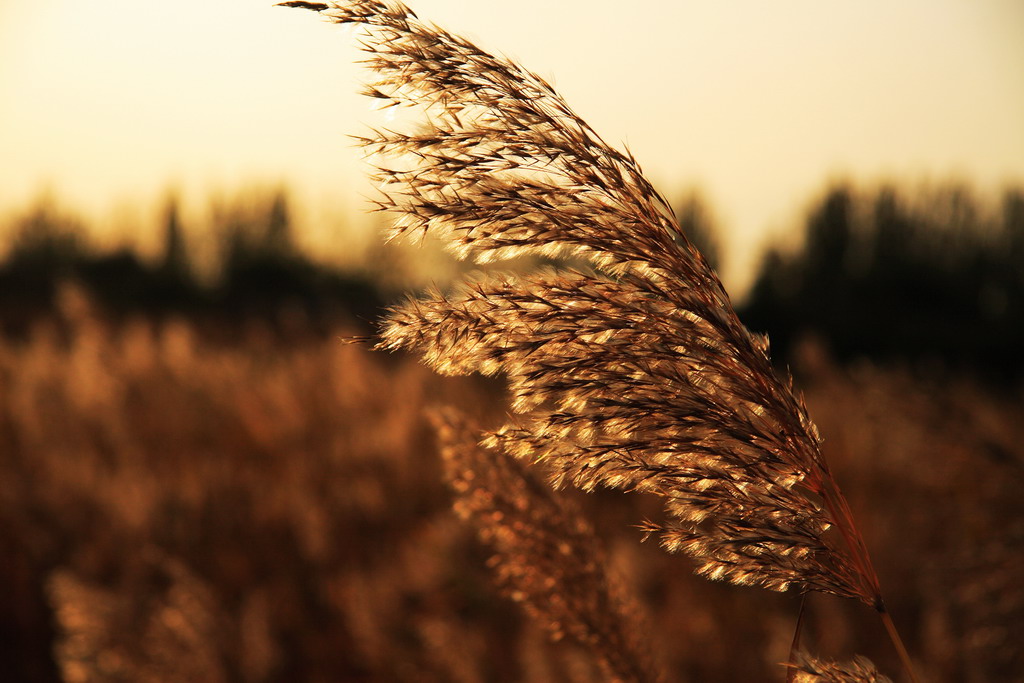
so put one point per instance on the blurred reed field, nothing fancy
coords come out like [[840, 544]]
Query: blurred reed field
[[205, 482], [183, 508]]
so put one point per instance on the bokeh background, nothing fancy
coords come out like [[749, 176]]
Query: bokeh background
[[201, 482]]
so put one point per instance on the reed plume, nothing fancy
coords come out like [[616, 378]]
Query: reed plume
[[813, 670], [633, 372], [547, 556]]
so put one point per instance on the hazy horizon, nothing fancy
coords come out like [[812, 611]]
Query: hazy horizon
[[107, 106]]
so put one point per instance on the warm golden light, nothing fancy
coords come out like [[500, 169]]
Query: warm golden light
[[246, 437], [758, 104]]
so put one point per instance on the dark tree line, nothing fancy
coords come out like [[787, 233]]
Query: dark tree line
[[931, 277], [260, 271]]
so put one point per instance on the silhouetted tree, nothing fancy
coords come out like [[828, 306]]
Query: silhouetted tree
[[263, 272], [893, 236], [175, 263], [829, 233], [46, 239], [278, 237], [883, 277], [697, 223], [46, 245]]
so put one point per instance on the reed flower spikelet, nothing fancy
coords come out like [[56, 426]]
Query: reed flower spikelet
[[546, 555], [634, 374], [812, 670]]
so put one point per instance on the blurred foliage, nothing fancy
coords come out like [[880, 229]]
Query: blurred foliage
[[933, 277], [697, 222], [260, 272], [179, 509], [272, 509]]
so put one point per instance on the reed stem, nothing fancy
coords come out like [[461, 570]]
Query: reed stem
[[791, 666], [894, 635]]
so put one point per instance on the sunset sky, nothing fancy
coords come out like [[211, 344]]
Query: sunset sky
[[107, 104]]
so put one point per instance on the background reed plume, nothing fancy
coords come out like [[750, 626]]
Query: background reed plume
[[630, 372], [547, 555], [812, 670]]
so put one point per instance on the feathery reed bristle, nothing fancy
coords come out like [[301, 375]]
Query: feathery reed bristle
[[813, 670], [547, 556], [637, 375]]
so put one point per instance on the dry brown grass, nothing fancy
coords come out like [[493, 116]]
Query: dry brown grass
[[547, 556], [860, 670], [277, 511]]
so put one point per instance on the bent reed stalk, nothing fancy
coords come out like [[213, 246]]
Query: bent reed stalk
[[633, 373]]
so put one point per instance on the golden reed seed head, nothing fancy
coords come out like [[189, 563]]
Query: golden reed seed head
[[634, 373], [812, 670], [547, 556]]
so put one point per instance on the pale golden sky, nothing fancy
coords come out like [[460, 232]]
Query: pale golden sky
[[109, 102]]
